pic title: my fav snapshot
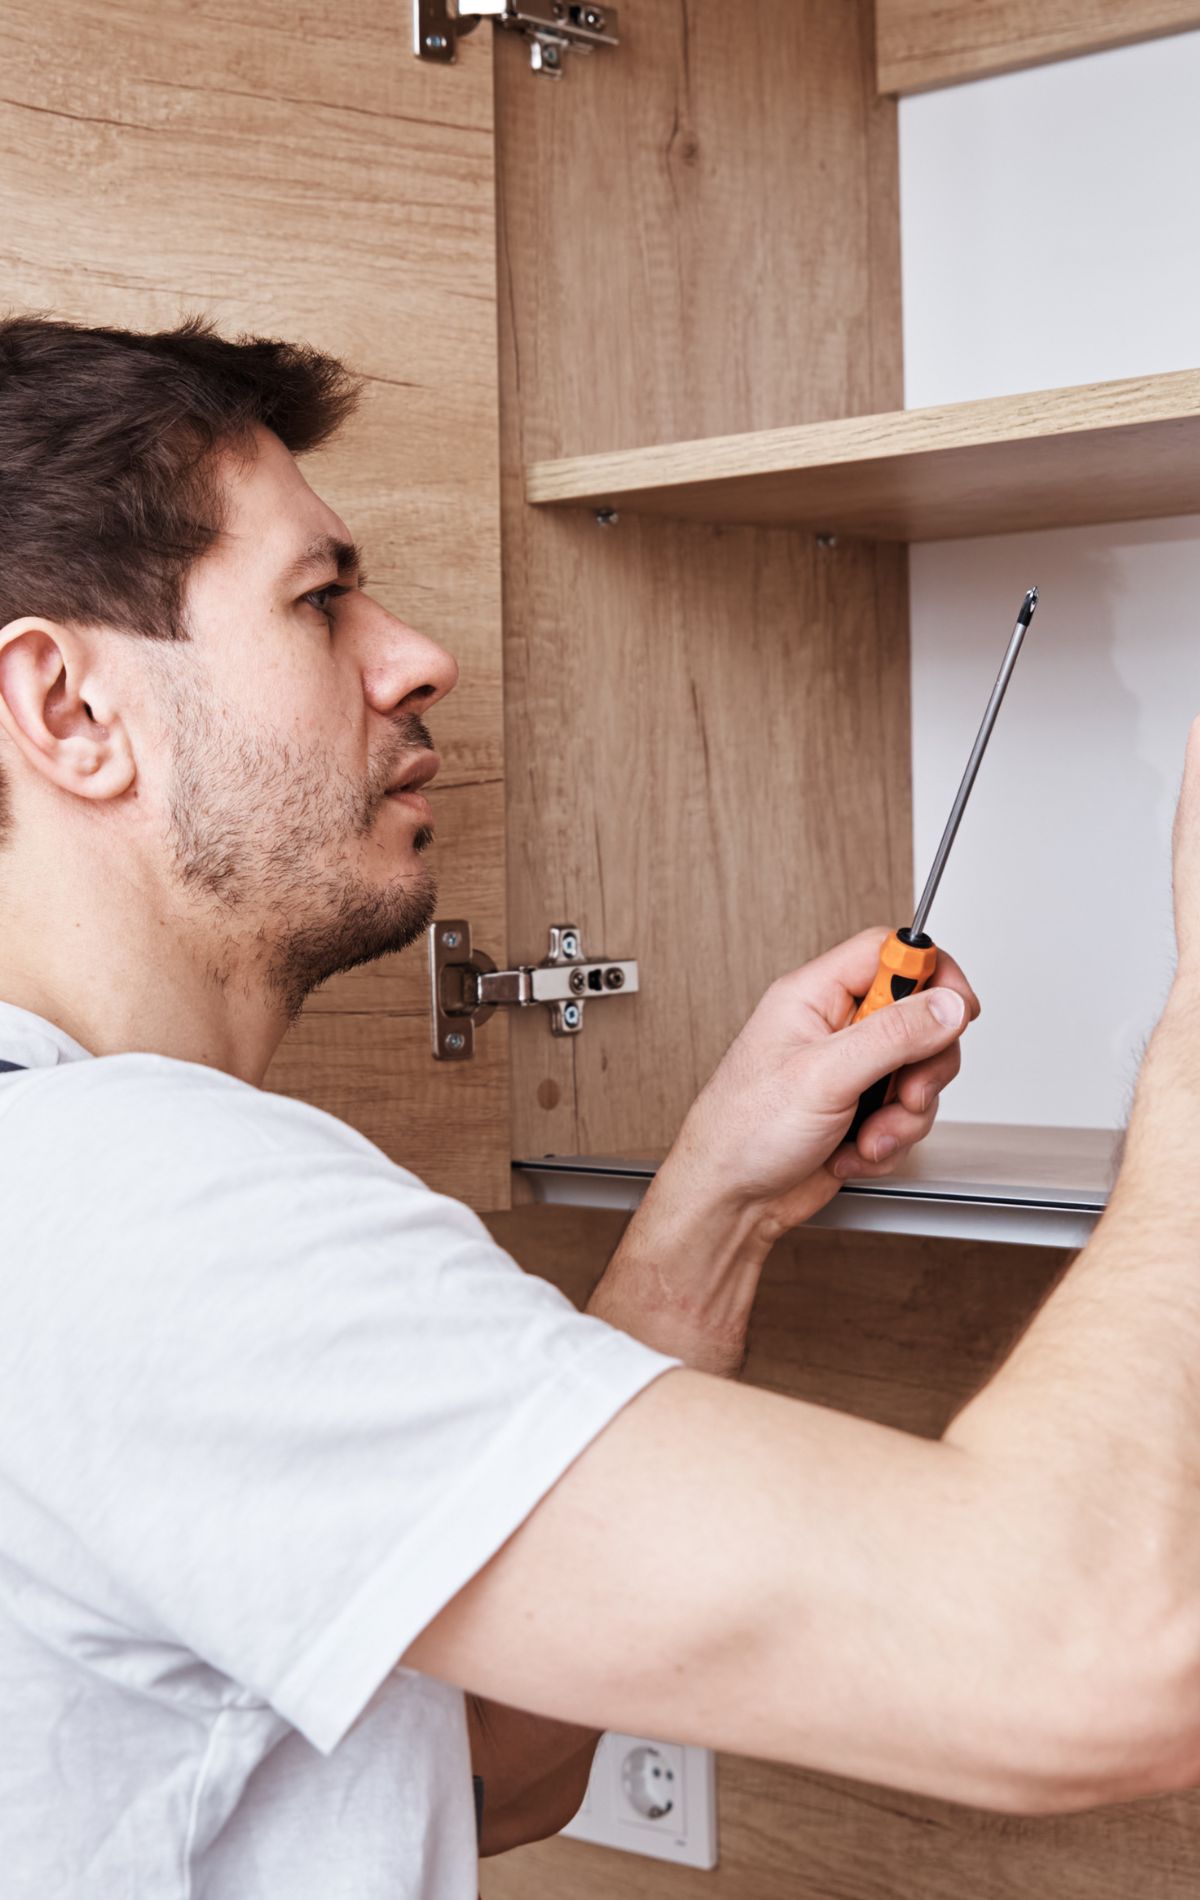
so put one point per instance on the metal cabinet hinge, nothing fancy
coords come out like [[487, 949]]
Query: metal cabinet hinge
[[466, 986], [553, 28]]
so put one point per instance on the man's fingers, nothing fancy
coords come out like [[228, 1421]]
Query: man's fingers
[[1186, 866], [882, 1142], [948, 976], [894, 1129], [832, 984], [897, 1037], [919, 1086]]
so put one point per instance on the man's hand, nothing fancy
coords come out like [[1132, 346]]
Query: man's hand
[[768, 1129], [762, 1147]]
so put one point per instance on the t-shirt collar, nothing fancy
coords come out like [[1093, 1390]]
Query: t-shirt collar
[[35, 1043]]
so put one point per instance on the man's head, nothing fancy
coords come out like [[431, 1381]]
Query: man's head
[[196, 696]]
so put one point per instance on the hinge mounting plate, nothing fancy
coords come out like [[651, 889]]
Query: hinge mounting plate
[[466, 986], [553, 28]]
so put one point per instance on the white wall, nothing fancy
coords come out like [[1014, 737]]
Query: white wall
[[1051, 236]]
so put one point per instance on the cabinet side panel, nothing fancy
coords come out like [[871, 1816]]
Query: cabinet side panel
[[708, 728], [302, 175], [902, 1332]]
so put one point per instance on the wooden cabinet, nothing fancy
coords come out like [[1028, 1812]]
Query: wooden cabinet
[[665, 286]]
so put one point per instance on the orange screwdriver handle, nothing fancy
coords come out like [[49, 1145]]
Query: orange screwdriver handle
[[906, 965]]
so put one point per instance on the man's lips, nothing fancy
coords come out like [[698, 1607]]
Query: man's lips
[[405, 789], [417, 773]]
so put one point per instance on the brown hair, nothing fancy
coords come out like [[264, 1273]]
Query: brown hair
[[107, 441]]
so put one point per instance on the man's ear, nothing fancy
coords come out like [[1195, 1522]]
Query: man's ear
[[54, 707]]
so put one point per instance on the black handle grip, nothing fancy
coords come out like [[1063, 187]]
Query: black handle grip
[[877, 1094], [868, 1102]]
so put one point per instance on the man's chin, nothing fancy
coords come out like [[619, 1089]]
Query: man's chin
[[366, 925]]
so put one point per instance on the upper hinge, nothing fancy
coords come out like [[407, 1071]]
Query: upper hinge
[[553, 28]]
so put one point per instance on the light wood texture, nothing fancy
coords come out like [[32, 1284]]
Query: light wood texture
[[1121, 451], [902, 1332], [301, 174], [710, 729], [926, 43]]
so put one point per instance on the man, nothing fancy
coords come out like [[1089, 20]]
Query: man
[[310, 1501]]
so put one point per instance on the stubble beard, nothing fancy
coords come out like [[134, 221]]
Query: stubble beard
[[264, 834]]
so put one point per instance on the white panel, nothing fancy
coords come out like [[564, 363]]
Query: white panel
[[1057, 899], [1049, 225], [1051, 236]]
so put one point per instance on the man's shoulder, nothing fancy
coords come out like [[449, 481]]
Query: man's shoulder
[[134, 1158], [158, 1103]]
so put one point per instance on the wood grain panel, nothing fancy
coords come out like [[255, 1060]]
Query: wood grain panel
[[713, 730], [702, 237], [899, 1331], [710, 728], [1056, 458], [299, 173], [926, 43]]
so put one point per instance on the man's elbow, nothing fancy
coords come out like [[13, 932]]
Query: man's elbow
[[1116, 1715]]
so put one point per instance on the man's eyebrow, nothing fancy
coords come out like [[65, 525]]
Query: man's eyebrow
[[322, 554]]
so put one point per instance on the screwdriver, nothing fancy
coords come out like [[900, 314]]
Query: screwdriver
[[908, 957]]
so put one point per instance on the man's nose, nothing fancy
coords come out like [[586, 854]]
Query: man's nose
[[408, 672]]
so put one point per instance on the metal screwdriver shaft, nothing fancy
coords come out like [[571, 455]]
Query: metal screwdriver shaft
[[908, 958], [1028, 606]]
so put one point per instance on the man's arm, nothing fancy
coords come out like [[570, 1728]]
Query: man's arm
[[1008, 1617], [686, 1272]]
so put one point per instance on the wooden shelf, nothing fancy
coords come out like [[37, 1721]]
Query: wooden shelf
[[1124, 451], [969, 1181]]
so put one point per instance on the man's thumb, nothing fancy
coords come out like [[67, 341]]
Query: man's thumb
[[892, 1038]]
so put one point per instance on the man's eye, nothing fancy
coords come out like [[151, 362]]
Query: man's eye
[[320, 598]]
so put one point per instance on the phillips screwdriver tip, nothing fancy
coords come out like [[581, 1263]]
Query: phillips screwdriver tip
[[1027, 606]]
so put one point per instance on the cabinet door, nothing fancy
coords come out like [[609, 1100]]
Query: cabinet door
[[297, 172]]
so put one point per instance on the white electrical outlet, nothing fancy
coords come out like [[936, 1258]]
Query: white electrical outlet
[[655, 1798]]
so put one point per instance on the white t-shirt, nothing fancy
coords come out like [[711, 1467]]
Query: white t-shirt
[[266, 1404]]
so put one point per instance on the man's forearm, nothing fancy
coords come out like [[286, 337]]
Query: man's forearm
[[684, 1277]]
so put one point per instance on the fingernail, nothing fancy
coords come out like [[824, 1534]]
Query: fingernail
[[885, 1146], [947, 1007], [844, 1167]]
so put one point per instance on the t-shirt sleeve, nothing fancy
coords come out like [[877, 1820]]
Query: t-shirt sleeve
[[287, 1397]]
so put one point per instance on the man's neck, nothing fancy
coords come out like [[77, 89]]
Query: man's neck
[[124, 968]]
